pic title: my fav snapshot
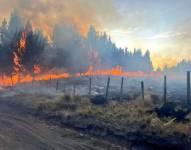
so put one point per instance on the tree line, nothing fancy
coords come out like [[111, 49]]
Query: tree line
[[68, 50]]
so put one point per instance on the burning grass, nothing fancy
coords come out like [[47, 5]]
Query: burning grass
[[124, 120]]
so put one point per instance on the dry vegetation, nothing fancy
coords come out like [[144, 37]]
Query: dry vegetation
[[125, 120]]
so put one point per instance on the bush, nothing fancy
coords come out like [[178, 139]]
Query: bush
[[99, 100]]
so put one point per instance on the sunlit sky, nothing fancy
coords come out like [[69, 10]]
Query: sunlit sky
[[161, 26]]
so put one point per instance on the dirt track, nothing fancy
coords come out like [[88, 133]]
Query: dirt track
[[21, 132]]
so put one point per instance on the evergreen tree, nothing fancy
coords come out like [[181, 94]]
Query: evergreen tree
[[91, 37], [4, 32], [148, 63], [16, 23]]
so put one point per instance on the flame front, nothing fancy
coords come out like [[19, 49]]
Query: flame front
[[39, 76], [116, 71], [20, 76]]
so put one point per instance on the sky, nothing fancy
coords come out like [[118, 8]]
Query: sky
[[161, 26]]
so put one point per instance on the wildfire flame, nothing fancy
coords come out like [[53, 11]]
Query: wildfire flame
[[22, 42], [116, 71], [18, 67], [16, 62], [38, 75], [37, 69]]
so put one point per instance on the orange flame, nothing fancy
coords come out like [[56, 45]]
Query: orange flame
[[22, 42], [17, 54], [37, 69], [16, 62], [116, 71]]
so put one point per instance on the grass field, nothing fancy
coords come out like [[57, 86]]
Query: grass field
[[120, 121]]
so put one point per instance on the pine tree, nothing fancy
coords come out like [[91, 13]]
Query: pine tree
[[15, 23], [3, 32]]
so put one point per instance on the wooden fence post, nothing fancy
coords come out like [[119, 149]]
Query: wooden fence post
[[2, 77], [64, 88], [57, 83], [11, 80], [107, 88], [90, 86], [74, 89], [142, 90], [121, 91], [165, 89], [50, 80], [188, 88], [33, 80], [19, 78]]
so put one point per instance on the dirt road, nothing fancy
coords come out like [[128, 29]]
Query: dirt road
[[22, 132]]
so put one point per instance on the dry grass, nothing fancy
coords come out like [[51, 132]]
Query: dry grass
[[126, 116]]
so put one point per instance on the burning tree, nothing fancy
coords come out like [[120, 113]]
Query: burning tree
[[27, 53], [20, 48]]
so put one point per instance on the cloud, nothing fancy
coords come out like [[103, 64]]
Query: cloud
[[166, 35]]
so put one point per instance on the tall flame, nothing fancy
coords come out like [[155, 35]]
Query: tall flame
[[22, 42], [16, 62], [18, 67]]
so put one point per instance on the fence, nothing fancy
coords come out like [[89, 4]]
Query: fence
[[58, 85]]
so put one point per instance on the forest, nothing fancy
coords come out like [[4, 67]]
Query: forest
[[26, 49]]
